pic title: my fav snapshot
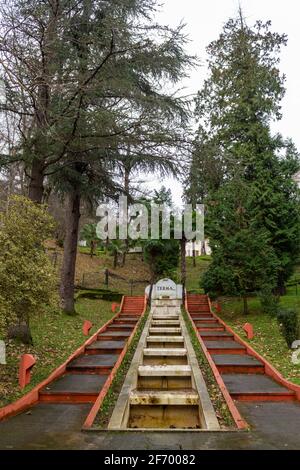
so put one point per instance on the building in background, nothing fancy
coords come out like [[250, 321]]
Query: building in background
[[199, 247], [297, 178]]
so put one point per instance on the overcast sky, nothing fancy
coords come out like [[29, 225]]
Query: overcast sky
[[204, 21]]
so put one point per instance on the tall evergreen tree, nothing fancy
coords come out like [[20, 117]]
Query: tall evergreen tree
[[238, 101], [90, 75]]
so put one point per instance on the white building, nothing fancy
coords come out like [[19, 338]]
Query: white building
[[190, 246], [296, 178]]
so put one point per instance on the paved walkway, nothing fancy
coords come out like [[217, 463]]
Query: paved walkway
[[54, 426]]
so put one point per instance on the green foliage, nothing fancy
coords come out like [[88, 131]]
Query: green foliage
[[243, 258], [103, 294], [162, 257], [242, 172], [268, 301], [289, 323], [27, 278], [88, 233]]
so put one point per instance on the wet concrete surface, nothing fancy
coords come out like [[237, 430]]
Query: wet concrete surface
[[251, 383], [106, 345], [77, 383], [94, 360], [223, 345], [48, 426], [235, 359], [216, 333]]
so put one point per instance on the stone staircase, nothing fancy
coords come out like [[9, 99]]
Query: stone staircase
[[86, 374], [161, 390], [243, 374]]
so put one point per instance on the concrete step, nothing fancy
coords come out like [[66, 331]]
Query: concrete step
[[238, 363], [164, 352], [198, 308], [120, 327], [164, 397], [165, 371], [207, 324], [133, 305], [124, 321], [93, 362], [157, 331], [221, 347], [132, 311], [160, 316], [135, 313], [165, 322], [210, 327], [126, 317], [104, 347], [165, 339], [200, 321], [217, 335], [113, 335], [73, 388], [251, 387], [201, 316]]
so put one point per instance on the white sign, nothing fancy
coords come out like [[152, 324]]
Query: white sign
[[296, 354], [2, 353], [165, 289]]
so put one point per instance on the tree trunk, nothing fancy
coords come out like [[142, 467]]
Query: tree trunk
[[20, 331], [115, 259], [152, 281], [126, 190], [70, 253], [194, 254], [203, 249], [280, 289], [36, 184], [126, 180], [124, 255], [106, 245], [48, 51], [183, 265], [92, 248], [10, 184], [245, 305]]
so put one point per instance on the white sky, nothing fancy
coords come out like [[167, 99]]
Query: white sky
[[204, 21]]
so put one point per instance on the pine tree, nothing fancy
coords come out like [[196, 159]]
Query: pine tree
[[238, 101], [89, 77], [130, 110]]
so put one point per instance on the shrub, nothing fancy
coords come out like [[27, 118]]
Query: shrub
[[27, 278], [289, 324], [269, 302]]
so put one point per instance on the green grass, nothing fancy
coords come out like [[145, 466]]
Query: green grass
[[268, 340], [87, 250], [55, 337], [194, 274]]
